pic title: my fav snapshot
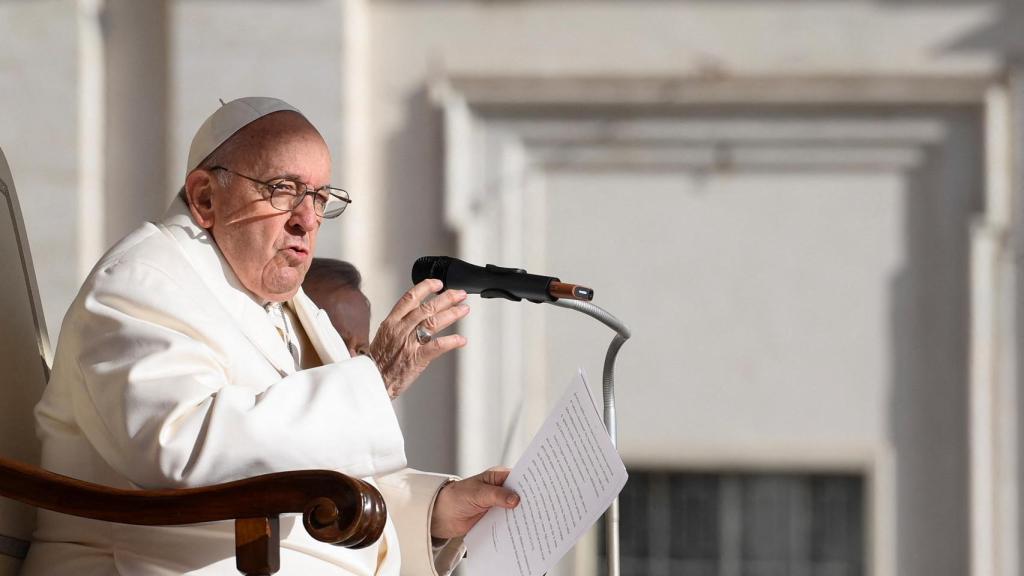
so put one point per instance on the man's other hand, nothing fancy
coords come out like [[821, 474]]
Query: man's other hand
[[462, 503], [399, 356]]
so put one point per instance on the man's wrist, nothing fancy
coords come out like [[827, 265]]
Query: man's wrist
[[435, 542], [387, 387]]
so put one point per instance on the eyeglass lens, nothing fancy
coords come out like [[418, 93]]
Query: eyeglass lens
[[285, 195]]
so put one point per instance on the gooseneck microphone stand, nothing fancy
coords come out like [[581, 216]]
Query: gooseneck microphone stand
[[611, 517], [515, 284]]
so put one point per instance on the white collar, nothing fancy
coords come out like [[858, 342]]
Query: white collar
[[205, 256]]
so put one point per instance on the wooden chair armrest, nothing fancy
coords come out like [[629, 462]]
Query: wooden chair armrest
[[335, 508]]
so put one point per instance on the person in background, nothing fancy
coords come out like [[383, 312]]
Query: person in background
[[336, 287]]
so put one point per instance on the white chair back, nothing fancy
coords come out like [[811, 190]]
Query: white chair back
[[24, 363]]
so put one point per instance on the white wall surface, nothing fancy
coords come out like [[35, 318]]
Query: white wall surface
[[760, 304], [414, 43], [230, 49], [39, 100], [777, 350]]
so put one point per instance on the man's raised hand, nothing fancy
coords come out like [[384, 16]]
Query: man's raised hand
[[399, 354]]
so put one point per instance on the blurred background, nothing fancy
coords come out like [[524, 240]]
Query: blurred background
[[807, 212]]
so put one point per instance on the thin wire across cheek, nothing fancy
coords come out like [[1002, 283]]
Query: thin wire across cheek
[[252, 212], [244, 219]]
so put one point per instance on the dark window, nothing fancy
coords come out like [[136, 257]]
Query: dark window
[[689, 524]]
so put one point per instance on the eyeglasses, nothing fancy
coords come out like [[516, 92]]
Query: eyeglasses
[[286, 194]]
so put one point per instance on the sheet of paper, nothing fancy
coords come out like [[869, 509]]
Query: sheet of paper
[[566, 479]]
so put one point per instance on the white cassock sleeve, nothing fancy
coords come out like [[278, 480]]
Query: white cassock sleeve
[[162, 373], [171, 393], [414, 492]]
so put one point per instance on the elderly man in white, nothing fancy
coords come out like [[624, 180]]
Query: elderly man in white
[[191, 357]]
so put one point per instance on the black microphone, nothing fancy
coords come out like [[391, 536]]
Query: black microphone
[[496, 282]]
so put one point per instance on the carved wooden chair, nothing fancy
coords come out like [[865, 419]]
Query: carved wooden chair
[[336, 508]]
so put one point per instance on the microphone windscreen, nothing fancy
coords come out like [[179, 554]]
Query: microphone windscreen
[[428, 267]]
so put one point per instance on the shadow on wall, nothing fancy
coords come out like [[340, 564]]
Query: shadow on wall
[[413, 201], [930, 377], [137, 67], [1002, 35]]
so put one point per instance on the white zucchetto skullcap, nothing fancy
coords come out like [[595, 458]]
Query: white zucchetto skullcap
[[228, 119]]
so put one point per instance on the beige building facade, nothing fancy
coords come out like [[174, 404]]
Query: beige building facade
[[807, 212]]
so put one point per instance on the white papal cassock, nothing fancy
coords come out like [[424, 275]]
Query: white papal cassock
[[169, 374]]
